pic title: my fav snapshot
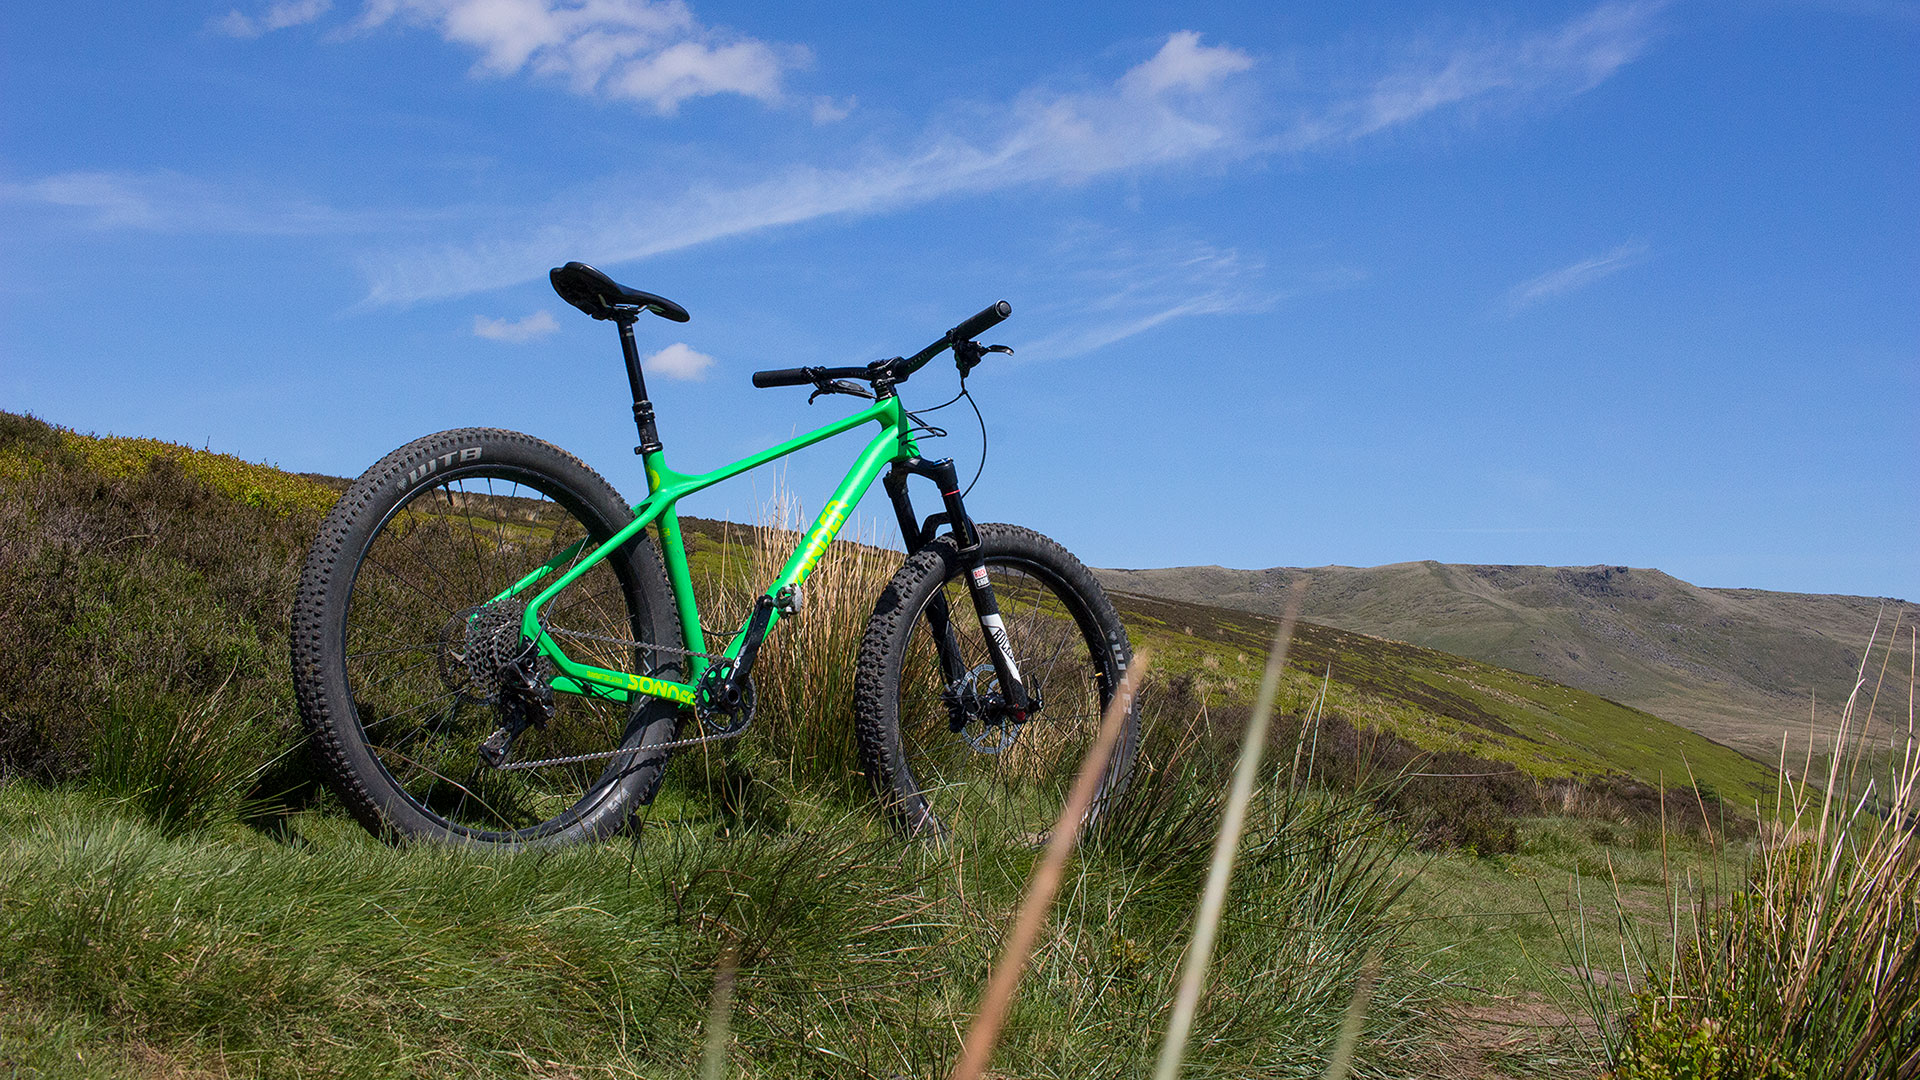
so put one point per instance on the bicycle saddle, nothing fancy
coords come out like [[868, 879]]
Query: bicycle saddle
[[603, 298]]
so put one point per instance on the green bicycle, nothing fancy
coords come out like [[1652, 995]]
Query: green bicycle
[[490, 647]]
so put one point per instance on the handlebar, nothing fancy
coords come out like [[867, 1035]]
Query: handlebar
[[898, 368], [988, 318], [800, 376]]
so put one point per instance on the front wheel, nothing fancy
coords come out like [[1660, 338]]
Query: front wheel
[[404, 644], [942, 758]]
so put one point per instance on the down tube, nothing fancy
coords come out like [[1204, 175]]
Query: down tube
[[884, 449]]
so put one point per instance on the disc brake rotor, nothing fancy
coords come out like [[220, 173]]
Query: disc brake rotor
[[977, 695]]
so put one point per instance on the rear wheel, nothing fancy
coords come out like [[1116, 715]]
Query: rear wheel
[[402, 665], [942, 758]]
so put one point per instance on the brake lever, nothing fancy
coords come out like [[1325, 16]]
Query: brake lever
[[838, 386], [968, 354]]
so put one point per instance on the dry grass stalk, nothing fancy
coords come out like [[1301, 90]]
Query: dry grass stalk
[[1226, 847], [1340, 1063], [713, 1063], [991, 1014]]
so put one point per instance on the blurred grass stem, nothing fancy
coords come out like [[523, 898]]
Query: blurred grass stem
[[1226, 847], [991, 1014]]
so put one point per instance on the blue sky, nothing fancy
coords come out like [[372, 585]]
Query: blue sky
[[1633, 283]]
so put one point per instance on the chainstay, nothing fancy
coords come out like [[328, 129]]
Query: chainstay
[[601, 755]]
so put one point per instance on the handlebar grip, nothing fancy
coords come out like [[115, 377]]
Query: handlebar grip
[[793, 376], [981, 323]]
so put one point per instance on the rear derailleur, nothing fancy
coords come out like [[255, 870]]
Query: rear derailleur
[[525, 700]]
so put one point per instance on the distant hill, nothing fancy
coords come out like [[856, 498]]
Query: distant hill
[[1737, 665]]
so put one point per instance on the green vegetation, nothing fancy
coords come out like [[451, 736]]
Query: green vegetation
[[1802, 959], [175, 897], [178, 899], [1442, 703]]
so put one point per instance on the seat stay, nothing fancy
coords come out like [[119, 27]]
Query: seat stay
[[894, 442]]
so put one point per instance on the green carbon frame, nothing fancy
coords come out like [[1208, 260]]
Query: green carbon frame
[[666, 487]]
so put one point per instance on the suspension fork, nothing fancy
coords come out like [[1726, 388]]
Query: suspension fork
[[918, 534]]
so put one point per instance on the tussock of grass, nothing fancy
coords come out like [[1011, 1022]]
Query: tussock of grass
[[135, 600], [803, 723], [856, 954], [1804, 962]]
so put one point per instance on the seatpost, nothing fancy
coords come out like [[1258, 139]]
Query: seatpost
[[642, 408]]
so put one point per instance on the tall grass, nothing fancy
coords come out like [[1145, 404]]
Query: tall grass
[[772, 925], [803, 677], [1804, 962]]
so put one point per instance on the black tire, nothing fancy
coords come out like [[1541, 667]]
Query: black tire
[[1071, 650], [382, 641]]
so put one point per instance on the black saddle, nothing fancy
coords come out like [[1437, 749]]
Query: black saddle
[[604, 298]]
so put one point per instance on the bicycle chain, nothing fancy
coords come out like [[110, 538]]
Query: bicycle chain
[[605, 640], [661, 748]]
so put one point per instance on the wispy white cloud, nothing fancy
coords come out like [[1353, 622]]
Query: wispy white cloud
[[1121, 286], [1177, 111], [679, 361], [516, 331], [278, 16], [649, 51], [1579, 275], [1184, 64], [828, 111], [1117, 286], [1189, 102], [166, 201], [1564, 61]]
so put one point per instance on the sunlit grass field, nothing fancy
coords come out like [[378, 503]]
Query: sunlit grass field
[[1460, 860]]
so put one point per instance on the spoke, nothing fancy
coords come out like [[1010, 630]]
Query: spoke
[[428, 562], [378, 679], [466, 792], [367, 633], [395, 649], [479, 561], [409, 711], [396, 575], [1052, 661]]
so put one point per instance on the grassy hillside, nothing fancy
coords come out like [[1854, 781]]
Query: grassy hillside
[[178, 899], [141, 572], [1737, 665], [1441, 702]]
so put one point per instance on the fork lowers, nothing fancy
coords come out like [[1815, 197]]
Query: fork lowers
[[914, 681]]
